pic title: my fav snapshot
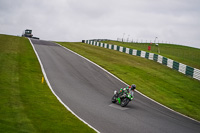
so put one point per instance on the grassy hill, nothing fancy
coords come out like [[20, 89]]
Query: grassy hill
[[183, 54], [155, 80], [26, 104]]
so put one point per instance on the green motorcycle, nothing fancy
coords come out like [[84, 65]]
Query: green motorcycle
[[122, 98]]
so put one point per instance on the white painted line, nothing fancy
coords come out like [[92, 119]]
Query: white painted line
[[128, 85], [118, 107], [108, 73], [45, 76]]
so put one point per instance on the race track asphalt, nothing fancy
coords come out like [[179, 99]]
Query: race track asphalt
[[87, 90]]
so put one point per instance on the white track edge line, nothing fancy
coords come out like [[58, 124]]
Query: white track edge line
[[127, 85], [45, 76]]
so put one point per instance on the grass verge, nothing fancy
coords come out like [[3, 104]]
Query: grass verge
[[155, 80], [26, 104]]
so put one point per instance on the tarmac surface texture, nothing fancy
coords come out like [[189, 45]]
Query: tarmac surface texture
[[87, 90]]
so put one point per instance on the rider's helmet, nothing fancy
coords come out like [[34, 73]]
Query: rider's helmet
[[133, 87]]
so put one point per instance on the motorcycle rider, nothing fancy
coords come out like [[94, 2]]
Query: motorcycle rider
[[129, 89]]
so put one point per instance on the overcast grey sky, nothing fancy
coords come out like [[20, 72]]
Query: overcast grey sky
[[174, 21]]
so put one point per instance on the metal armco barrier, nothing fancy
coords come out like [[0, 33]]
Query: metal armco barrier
[[187, 70]]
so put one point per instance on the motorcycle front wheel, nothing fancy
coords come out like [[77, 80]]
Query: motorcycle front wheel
[[125, 101], [114, 99]]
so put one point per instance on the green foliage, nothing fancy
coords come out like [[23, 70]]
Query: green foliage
[[183, 54], [155, 80], [26, 104]]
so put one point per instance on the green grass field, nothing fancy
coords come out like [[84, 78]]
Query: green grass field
[[183, 54], [26, 104], [155, 80]]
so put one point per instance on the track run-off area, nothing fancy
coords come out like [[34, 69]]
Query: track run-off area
[[86, 89]]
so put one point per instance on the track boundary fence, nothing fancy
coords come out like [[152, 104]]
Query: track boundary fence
[[180, 67]]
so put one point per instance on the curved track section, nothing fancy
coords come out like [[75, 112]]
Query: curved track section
[[87, 90]]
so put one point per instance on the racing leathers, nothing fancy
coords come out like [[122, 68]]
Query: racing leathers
[[124, 91]]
